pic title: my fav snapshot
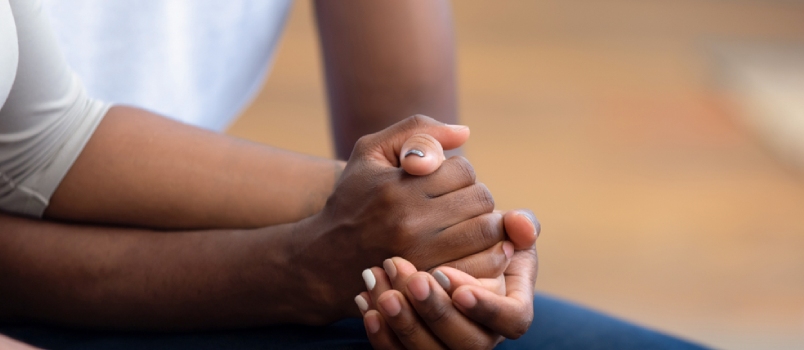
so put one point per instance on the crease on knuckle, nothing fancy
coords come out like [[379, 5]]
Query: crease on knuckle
[[520, 324], [489, 230], [407, 329], [466, 170], [520, 327], [362, 143], [477, 342], [484, 198], [436, 314], [418, 120], [426, 142]]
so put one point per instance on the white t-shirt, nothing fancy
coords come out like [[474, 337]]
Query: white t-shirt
[[197, 61], [46, 116]]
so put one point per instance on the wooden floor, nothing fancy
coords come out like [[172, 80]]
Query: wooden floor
[[608, 119]]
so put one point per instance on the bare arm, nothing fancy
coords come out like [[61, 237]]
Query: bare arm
[[384, 61], [142, 170], [303, 272], [117, 278]]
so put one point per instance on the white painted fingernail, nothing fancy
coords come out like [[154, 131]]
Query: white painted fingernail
[[368, 277], [361, 303], [442, 279]]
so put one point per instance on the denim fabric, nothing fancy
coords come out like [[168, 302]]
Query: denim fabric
[[556, 325]]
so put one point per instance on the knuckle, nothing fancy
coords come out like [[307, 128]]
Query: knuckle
[[483, 197], [435, 314], [465, 169], [407, 329], [425, 141], [491, 312], [520, 327], [362, 143], [419, 119], [489, 229], [412, 123], [477, 342], [387, 193], [406, 229]]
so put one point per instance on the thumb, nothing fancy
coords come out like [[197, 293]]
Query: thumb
[[522, 228], [386, 145], [421, 155]]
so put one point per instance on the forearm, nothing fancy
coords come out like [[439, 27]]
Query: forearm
[[114, 278], [140, 169], [385, 61]]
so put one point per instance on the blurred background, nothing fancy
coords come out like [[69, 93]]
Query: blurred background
[[661, 144]]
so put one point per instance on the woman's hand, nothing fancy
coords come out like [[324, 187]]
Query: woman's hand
[[409, 309], [413, 310]]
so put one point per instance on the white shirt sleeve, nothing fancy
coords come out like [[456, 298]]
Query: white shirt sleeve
[[46, 119]]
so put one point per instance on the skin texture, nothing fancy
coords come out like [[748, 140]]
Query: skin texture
[[421, 155], [168, 175], [302, 272], [411, 310], [378, 210], [384, 61], [171, 177]]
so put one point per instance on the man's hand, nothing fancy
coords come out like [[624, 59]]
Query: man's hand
[[378, 210]]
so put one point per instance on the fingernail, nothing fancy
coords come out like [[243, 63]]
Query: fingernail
[[368, 277], [466, 299], [372, 323], [391, 306], [420, 288], [361, 302], [414, 151], [390, 268], [537, 227], [442, 279], [457, 127], [508, 248]]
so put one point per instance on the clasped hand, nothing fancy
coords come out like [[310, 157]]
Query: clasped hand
[[439, 220]]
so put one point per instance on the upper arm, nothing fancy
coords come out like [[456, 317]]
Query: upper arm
[[46, 119]]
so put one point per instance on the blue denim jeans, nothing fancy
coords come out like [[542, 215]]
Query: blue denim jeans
[[556, 325]]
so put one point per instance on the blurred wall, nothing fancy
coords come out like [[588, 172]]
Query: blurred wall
[[608, 120]]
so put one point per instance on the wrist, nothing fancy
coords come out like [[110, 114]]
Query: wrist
[[298, 290]]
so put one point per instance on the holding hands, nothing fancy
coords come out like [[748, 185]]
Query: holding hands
[[378, 210], [448, 308], [406, 308]]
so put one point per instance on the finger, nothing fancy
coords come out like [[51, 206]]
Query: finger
[[401, 270], [421, 155], [458, 206], [436, 309], [452, 175], [489, 263], [463, 239], [379, 335], [403, 320], [398, 271], [364, 302], [509, 315], [377, 282], [522, 228], [386, 145], [451, 279]]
